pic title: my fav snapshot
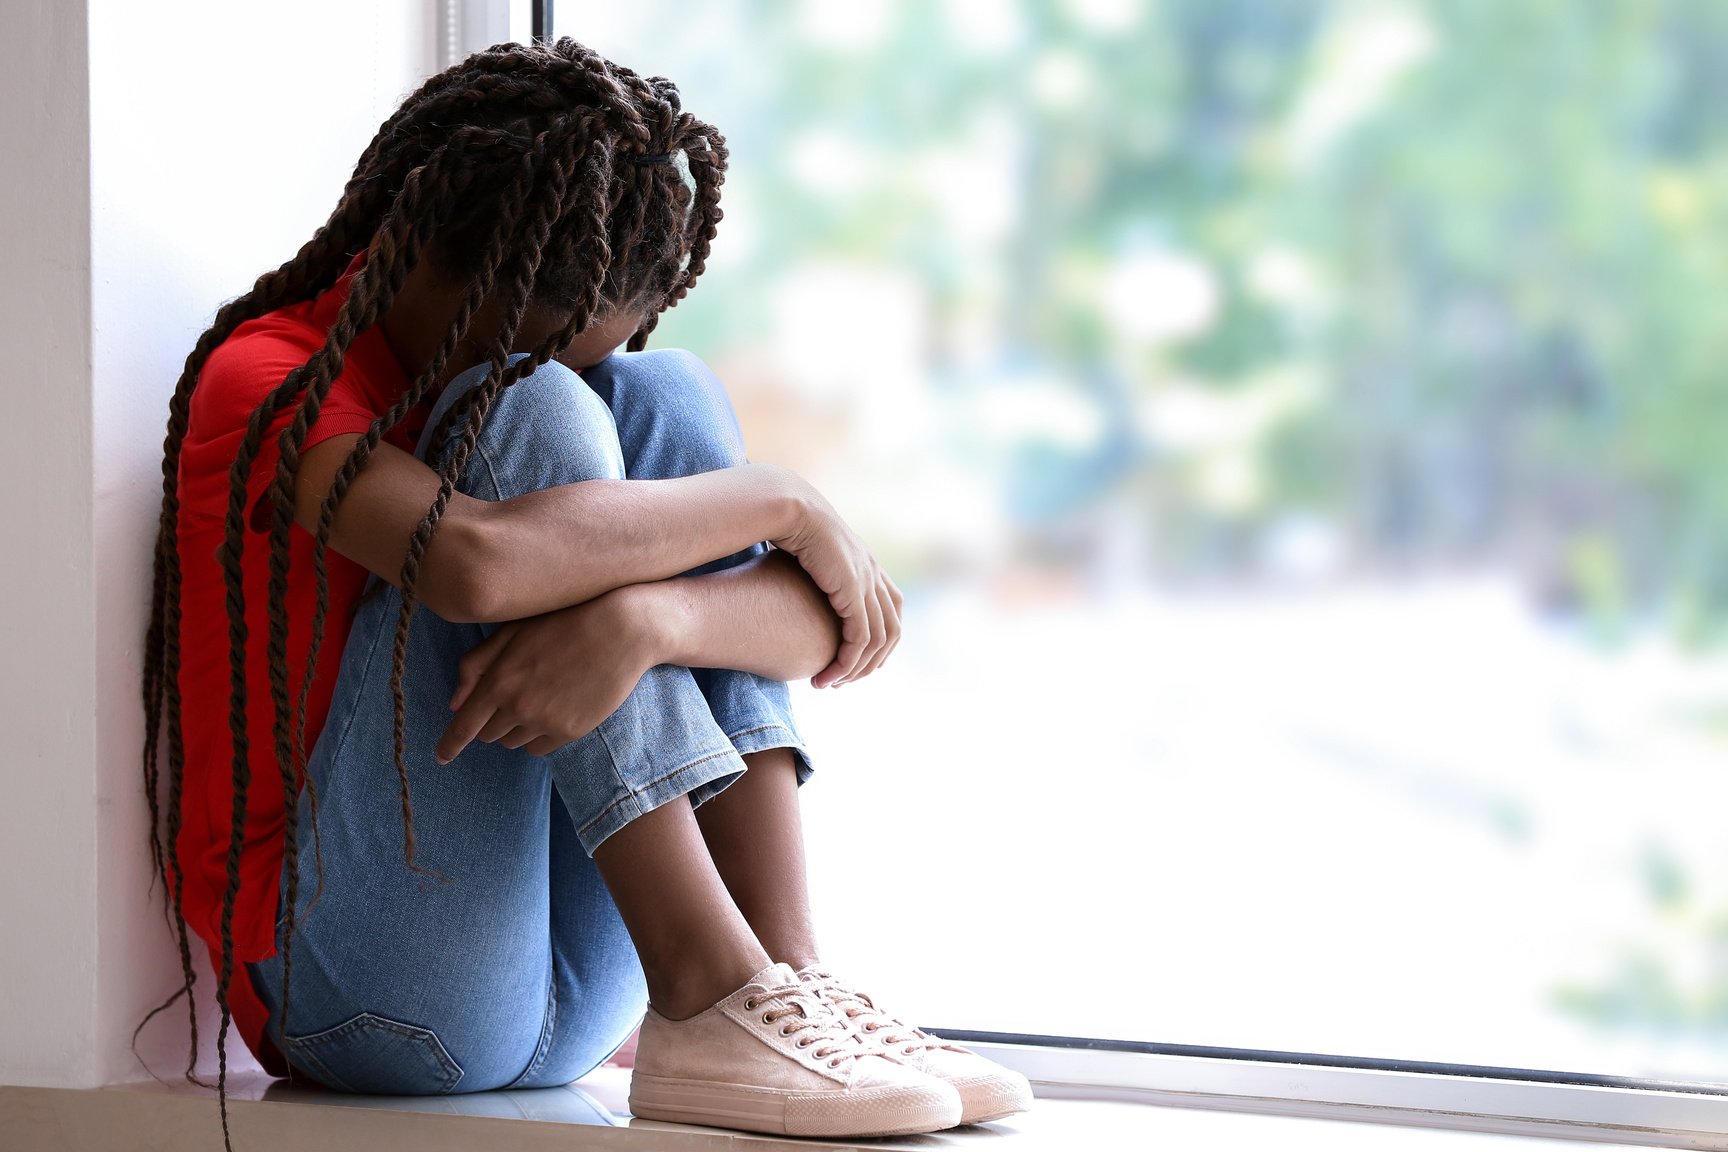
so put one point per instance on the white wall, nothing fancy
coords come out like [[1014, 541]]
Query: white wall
[[47, 642], [176, 150]]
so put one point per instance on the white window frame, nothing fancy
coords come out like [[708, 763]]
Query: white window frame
[[1673, 1116], [1628, 1112], [466, 26]]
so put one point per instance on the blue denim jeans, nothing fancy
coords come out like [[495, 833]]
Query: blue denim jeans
[[514, 971]]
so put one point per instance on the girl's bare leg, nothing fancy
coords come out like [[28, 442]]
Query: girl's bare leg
[[696, 947], [755, 837]]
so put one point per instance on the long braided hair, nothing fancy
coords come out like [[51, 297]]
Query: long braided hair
[[543, 174]]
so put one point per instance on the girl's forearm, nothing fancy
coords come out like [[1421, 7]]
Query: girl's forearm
[[552, 548], [764, 616]]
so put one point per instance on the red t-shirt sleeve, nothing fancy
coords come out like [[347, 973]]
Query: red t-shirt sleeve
[[237, 378]]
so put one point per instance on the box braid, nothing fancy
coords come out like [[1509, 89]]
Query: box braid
[[544, 172]]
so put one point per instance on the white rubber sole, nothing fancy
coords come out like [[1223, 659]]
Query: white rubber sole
[[983, 1100], [889, 1111]]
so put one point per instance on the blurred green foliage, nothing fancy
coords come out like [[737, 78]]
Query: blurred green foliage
[[1486, 236]]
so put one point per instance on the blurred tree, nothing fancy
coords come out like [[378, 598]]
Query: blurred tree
[[1488, 234]]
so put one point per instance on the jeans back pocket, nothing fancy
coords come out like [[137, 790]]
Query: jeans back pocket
[[375, 1054]]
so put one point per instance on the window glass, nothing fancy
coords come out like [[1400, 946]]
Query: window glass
[[1298, 431]]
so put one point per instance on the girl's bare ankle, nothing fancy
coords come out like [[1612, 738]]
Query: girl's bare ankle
[[692, 985]]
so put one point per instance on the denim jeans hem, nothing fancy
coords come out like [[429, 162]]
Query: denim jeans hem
[[709, 772], [762, 737]]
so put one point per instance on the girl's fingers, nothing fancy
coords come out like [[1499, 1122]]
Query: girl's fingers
[[854, 636], [873, 607], [899, 627], [463, 728], [544, 745], [518, 736], [496, 728], [888, 596], [473, 666], [890, 631]]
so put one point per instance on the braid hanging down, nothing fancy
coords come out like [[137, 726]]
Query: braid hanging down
[[537, 174]]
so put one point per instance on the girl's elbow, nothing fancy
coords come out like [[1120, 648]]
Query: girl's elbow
[[460, 580]]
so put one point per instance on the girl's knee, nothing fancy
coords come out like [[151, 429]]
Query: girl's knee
[[672, 413], [671, 367], [546, 429]]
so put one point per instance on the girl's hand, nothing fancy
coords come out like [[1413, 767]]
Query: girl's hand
[[543, 682], [862, 595]]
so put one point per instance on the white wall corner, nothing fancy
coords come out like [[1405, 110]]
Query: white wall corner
[[47, 678]]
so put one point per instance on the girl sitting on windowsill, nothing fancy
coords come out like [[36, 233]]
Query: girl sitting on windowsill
[[467, 847]]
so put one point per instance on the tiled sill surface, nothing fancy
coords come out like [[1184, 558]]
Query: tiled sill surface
[[268, 1116]]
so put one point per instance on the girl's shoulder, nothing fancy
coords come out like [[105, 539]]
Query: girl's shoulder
[[247, 366]]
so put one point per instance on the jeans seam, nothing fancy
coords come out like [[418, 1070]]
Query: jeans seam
[[335, 757], [359, 690], [759, 728], [491, 472], [618, 778], [547, 1030]]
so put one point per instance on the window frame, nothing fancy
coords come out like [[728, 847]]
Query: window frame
[[1500, 1101]]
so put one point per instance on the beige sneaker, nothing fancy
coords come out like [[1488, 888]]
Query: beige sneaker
[[987, 1090], [775, 1057]]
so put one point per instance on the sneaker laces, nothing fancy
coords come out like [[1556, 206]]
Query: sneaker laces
[[804, 1011], [864, 1018]]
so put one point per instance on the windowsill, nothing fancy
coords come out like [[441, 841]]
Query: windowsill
[[269, 1116]]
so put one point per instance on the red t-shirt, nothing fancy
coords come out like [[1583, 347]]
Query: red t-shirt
[[239, 374]]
